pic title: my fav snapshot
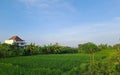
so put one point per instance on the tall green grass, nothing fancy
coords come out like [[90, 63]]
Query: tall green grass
[[52, 64]]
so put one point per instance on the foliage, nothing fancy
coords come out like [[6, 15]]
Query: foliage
[[32, 49], [62, 64], [103, 46], [116, 46], [65, 50], [10, 50], [88, 48], [4, 50], [60, 60]]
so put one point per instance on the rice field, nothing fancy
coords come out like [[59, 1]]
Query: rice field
[[51, 64]]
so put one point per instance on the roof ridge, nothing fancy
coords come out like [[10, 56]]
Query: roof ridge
[[16, 38]]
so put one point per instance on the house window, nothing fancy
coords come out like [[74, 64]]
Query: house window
[[17, 43], [22, 43]]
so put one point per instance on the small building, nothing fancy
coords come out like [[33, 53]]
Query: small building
[[15, 40]]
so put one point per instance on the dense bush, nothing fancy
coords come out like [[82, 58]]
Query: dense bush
[[32, 49], [68, 50], [4, 50], [104, 46], [88, 48], [57, 49], [116, 46]]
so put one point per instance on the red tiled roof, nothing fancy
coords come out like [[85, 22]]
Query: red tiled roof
[[15, 38]]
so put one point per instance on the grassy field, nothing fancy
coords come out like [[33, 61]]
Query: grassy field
[[52, 64]]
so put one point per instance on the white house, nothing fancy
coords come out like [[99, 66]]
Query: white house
[[17, 40]]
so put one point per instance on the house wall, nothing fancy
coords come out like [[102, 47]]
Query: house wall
[[9, 41], [20, 43]]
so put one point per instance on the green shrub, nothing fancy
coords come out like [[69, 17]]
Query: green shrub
[[88, 48]]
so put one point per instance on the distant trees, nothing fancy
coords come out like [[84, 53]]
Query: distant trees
[[32, 49], [88, 48], [57, 49], [104, 46], [116, 46], [9, 50], [4, 50]]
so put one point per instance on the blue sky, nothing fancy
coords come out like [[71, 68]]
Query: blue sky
[[68, 22]]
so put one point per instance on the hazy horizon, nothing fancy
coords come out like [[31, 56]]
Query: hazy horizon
[[67, 22]]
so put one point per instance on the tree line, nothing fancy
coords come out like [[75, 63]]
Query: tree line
[[32, 49]]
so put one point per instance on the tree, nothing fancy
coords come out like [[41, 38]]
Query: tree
[[31, 49], [116, 46], [103, 46], [4, 50], [88, 47]]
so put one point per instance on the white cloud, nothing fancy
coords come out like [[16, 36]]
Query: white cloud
[[95, 32], [46, 5], [117, 18], [98, 33], [28, 3]]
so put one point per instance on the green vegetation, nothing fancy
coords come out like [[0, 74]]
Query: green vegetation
[[32, 49], [87, 59], [88, 48], [106, 62]]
